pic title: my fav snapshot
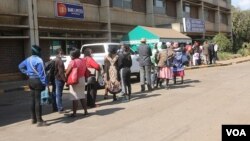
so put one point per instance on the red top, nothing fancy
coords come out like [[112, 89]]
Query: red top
[[91, 63], [80, 65]]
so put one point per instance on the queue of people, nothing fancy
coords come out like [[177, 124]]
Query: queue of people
[[166, 65], [205, 53]]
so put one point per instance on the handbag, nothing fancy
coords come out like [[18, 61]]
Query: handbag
[[45, 97], [73, 77]]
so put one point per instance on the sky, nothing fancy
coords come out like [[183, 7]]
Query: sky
[[242, 4]]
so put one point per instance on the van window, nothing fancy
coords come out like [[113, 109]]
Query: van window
[[117, 47], [95, 49]]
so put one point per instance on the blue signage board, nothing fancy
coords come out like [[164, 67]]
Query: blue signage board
[[67, 10], [193, 25]]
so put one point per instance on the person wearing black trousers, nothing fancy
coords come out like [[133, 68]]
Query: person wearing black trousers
[[124, 64], [33, 67], [211, 53]]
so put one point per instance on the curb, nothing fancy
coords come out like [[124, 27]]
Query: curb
[[209, 66], [22, 88], [242, 61]]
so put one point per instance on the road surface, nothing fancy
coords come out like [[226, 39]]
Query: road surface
[[193, 111]]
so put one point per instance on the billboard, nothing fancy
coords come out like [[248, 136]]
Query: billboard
[[68, 10], [193, 25]]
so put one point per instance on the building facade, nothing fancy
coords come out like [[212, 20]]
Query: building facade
[[27, 22]]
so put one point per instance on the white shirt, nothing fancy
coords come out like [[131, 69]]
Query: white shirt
[[215, 47]]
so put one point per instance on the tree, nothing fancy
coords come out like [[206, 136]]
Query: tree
[[223, 42], [241, 27]]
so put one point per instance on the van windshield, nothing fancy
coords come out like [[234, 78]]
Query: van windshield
[[95, 49]]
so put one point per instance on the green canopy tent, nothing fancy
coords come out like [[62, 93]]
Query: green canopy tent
[[153, 35]]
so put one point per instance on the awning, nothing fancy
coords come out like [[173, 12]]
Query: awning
[[153, 35]]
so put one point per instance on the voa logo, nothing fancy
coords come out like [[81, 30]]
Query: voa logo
[[236, 132]]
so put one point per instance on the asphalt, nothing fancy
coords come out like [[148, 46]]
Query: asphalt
[[10, 86]]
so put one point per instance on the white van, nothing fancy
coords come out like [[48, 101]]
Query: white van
[[100, 50]]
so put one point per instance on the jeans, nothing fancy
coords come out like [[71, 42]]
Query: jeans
[[36, 87], [125, 80], [145, 70], [58, 94]]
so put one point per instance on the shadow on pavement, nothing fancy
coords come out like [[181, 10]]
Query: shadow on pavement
[[79, 116]]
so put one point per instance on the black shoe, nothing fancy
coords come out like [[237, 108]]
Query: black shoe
[[33, 121], [41, 123], [149, 88], [142, 88]]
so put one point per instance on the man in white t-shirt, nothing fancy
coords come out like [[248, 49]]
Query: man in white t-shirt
[[215, 52]]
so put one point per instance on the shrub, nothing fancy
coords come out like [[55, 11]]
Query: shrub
[[245, 50], [223, 42]]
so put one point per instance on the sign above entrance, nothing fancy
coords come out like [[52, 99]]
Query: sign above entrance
[[193, 25], [67, 10]]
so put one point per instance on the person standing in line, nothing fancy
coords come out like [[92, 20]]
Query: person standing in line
[[211, 52], [154, 69], [178, 67], [92, 65], [124, 64], [111, 73], [59, 79], [165, 55], [145, 64], [215, 52], [189, 52], [33, 67], [205, 52], [77, 91]]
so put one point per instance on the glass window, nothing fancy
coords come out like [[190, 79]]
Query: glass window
[[126, 4], [186, 10], [224, 19], [95, 49], [159, 7], [159, 3], [117, 47]]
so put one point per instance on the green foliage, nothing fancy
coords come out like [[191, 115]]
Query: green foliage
[[223, 42], [227, 55], [245, 50], [241, 30]]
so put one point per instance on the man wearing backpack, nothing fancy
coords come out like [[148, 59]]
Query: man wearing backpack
[[145, 64], [59, 79]]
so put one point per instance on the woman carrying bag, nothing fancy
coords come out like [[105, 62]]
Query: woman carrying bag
[[77, 68], [92, 85]]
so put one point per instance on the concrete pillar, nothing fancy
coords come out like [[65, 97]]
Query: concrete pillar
[[217, 20], [179, 9], [33, 26], [35, 19], [150, 13], [202, 17], [105, 16], [27, 48]]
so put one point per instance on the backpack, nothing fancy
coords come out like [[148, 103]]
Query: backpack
[[113, 85], [50, 70]]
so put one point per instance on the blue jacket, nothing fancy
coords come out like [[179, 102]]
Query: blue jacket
[[37, 64]]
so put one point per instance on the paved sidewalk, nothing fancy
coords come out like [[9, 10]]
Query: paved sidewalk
[[22, 85]]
